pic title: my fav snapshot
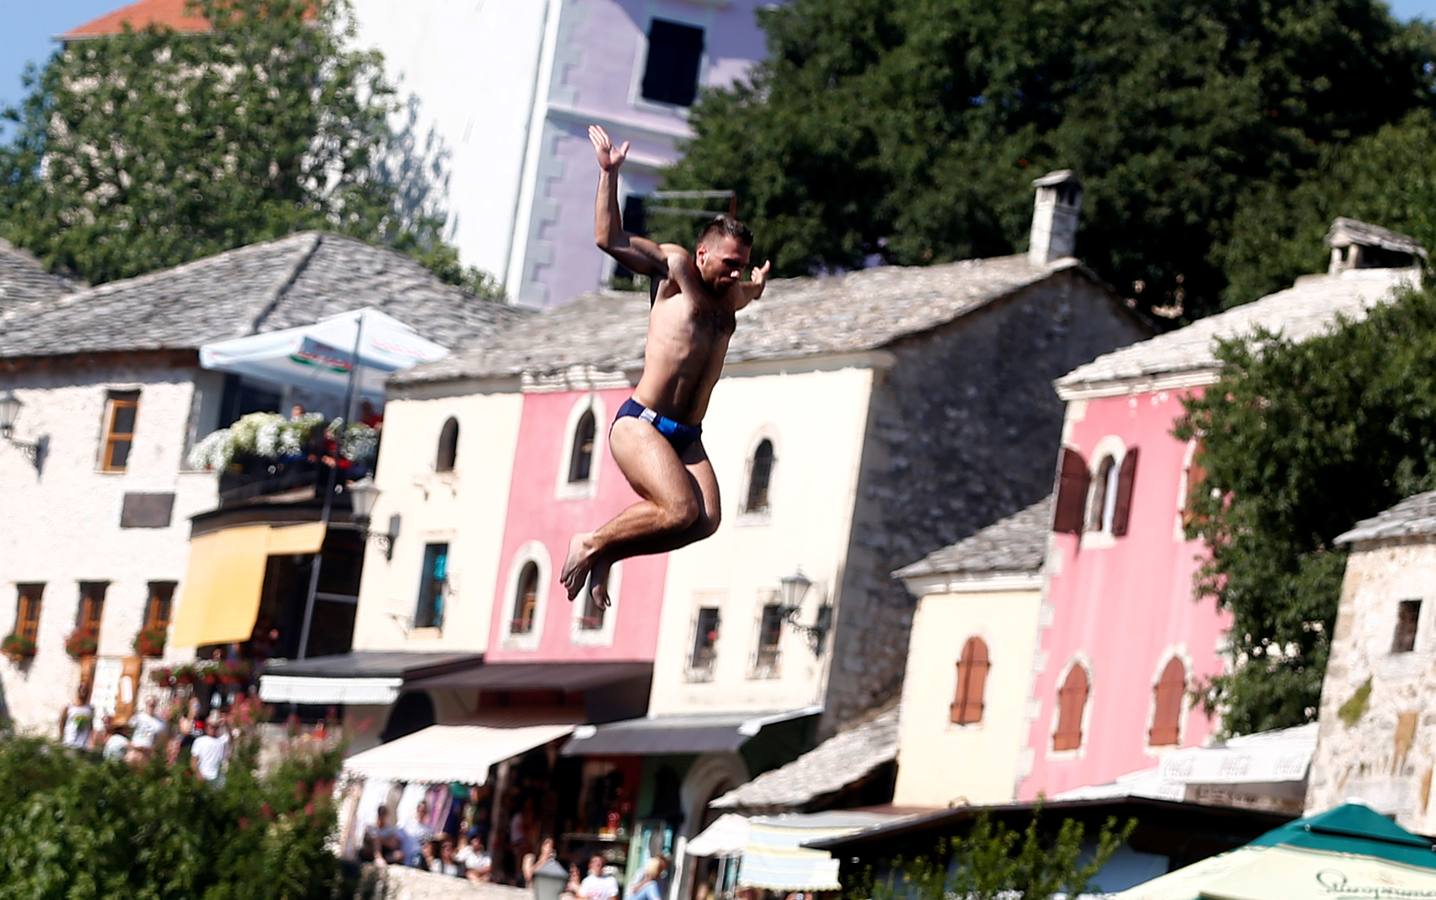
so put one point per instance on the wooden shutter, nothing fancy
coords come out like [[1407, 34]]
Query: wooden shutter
[[1071, 701], [972, 669], [1072, 481], [1125, 476], [1167, 704]]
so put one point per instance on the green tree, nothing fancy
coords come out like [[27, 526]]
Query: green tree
[[1299, 441], [993, 861], [72, 826], [150, 148], [912, 129], [1388, 178]]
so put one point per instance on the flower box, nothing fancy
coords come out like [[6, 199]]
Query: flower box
[[82, 642], [18, 648]]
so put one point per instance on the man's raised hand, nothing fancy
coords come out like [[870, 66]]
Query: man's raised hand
[[609, 156], [759, 278]]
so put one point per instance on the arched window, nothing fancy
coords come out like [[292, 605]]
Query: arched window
[[1167, 705], [1102, 498], [593, 614], [760, 474], [1071, 703], [525, 600], [972, 669], [580, 460], [448, 446]]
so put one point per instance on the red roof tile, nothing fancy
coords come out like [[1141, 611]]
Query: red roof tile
[[174, 14]]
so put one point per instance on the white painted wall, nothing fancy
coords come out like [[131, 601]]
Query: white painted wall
[[939, 763], [466, 508], [63, 526], [818, 443], [472, 68]]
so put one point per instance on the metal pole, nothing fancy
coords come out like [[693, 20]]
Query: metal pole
[[327, 509]]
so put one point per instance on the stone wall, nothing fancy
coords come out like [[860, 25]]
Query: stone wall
[[963, 430], [400, 883], [1378, 708]]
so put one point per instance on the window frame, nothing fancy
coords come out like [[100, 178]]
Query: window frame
[[90, 611], [1062, 711], [587, 425], [433, 591], [1413, 633], [589, 404], [153, 601], [765, 508], [644, 56], [703, 654], [961, 711], [514, 615], [116, 400], [28, 609], [768, 655], [530, 552], [446, 454]]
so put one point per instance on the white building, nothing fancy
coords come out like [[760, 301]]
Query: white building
[[110, 388]]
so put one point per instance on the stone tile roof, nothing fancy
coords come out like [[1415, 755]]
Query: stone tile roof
[[831, 766], [176, 15], [1413, 517], [24, 280], [1308, 308], [796, 317], [1016, 545], [294, 280]]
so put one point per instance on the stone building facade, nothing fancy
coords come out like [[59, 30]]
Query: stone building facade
[[1378, 700]]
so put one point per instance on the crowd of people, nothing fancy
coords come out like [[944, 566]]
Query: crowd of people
[[181, 733], [464, 854]]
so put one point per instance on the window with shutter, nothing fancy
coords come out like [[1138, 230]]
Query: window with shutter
[[1071, 703], [92, 604], [1102, 498], [27, 612], [1122, 508], [1072, 479], [1167, 705], [972, 669]]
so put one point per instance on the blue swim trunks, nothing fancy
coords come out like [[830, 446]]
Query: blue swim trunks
[[680, 436]]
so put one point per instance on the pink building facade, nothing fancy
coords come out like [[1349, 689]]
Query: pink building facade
[[1121, 606], [553, 495]]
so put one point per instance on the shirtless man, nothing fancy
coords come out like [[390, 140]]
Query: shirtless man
[[656, 438]]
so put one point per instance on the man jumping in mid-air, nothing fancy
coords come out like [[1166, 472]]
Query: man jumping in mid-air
[[657, 437]]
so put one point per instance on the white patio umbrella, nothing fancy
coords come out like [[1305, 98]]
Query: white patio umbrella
[[321, 356]]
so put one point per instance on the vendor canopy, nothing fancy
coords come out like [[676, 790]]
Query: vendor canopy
[[447, 753], [320, 356], [1350, 851]]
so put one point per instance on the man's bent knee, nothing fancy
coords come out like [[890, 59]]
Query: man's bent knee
[[680, 514]]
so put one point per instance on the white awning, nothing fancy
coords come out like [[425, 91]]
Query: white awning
[[727, 836], [445, 753], [329, 691]]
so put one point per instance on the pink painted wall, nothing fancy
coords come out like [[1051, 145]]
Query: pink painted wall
[[1124, 608], [536, 514]]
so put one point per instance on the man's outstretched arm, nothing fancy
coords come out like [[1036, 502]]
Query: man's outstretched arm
[[635, 253], [752, 289]]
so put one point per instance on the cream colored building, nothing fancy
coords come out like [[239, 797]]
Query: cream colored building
[[970, 663], [1378, 699]]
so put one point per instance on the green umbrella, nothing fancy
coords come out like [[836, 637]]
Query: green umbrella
[[1345, 853]]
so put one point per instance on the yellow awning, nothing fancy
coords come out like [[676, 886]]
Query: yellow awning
[[220, 597]]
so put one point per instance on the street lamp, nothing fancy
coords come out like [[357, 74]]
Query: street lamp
[[10, 411], [793, 589], [362, 496]]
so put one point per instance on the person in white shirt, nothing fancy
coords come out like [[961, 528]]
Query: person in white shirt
[[419, 833], [76, 722], [116, 744], [477, 863], [147, 730], [210, 749], [599, 885], [446, 863]]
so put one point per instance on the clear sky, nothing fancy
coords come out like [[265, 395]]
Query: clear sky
[[30, 26]]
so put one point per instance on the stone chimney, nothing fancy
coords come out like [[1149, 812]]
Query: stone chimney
[[1360, 245], [1054, 217]]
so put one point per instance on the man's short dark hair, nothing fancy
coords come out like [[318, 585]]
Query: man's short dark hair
[[726, 226]]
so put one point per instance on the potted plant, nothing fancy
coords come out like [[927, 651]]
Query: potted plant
[[183, 675], [83, 641], [208, 673], [163, 676], [18, 647], [150, 641], [235, 673]]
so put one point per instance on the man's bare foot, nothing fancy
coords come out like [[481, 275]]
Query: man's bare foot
[[575, 568], [598, 583]]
